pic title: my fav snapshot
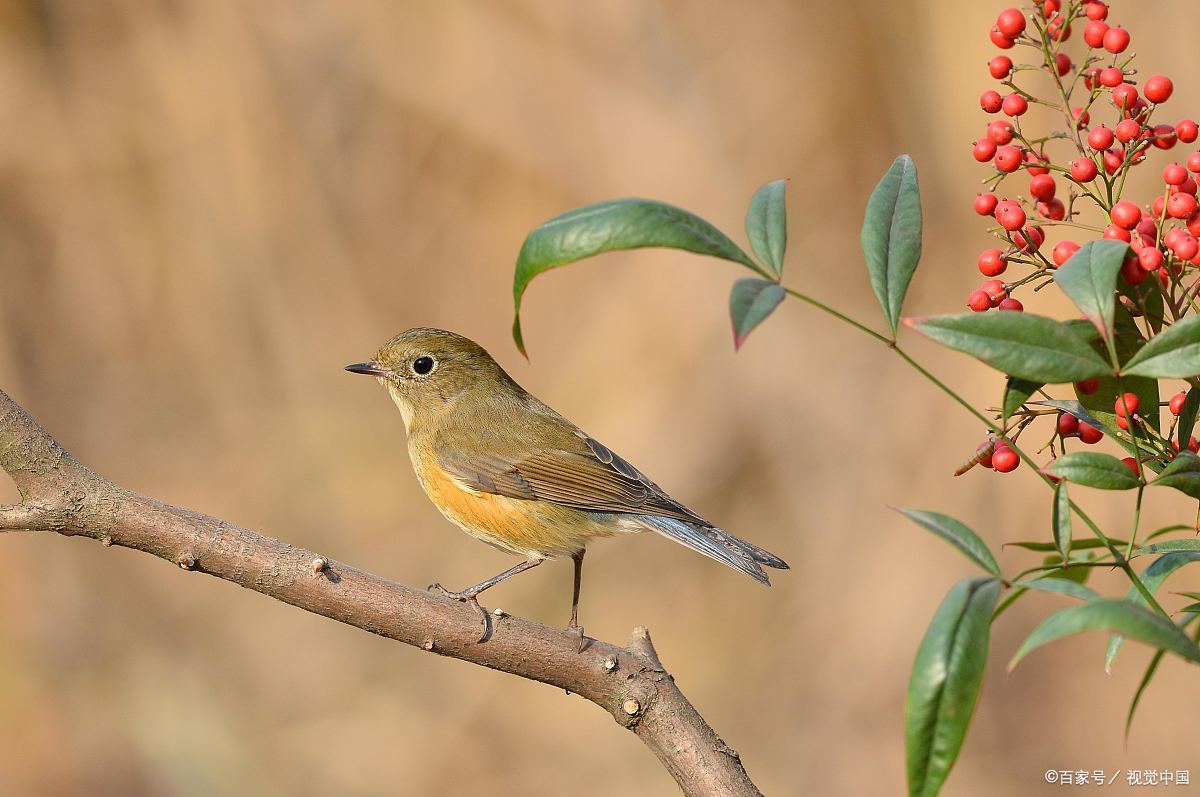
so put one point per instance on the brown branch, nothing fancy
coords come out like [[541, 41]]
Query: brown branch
[[59, 494]]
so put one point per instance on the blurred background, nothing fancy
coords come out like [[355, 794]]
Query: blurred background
[[208, 208]]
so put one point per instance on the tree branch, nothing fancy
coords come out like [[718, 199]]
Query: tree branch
[[61, 495]]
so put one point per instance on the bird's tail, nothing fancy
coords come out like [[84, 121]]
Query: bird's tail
[[716, 544]]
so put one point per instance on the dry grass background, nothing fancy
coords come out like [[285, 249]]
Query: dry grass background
[[207, 208]]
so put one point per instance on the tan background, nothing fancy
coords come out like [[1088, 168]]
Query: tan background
[[208, 208]]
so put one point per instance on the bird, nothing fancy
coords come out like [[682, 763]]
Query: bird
[[512, 472]]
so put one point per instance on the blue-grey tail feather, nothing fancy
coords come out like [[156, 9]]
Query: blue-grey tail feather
[[717, 544]]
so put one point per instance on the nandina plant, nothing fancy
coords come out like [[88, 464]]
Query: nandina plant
[[1073, 121]]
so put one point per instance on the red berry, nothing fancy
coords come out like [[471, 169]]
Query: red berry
[[1054, 210], [995, 290], [1186, 247], [1127, 130], [1000, 67], [991, 101], [1035, 163], [1042, 187], [1113, 160], [1174, 174], [984, 150], [1111, 77], [1089, 434], [1147, 229], [1193, 224], [1008, 159], [1163, 136], [1132, 464], [992, 263], [1000, 40], [1091, 77], [1081, 117], [979, 301], [1063, 251], [1014, 105], [1127, 404], [1115, 233], [1057, 29], [1029, 240], [1150, 258], [1116, 40], [1187, 131], [1068, 425], [1088, 386], [1097, 10], [1093, 33], [1188, 186], [1125, 95], [985, 204], [1131, 272], [1193, 162], [1062, 64], [1005, 460], [1051, 7], [1010, 215], [1000, 131], [1100, 138], [1083, 170], [1158, 88], [1011, 304], [1176, 403], [1011, 23], [1180, 206], [1125, 214]]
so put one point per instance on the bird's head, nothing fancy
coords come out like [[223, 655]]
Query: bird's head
[[428, 371]]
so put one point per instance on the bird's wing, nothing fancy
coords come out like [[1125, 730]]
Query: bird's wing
[[590, 477]]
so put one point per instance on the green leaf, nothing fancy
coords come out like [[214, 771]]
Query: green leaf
[[766, 224], [1089, 279], [1191, 608], [1060, 520], [1187, 418], [1016, 393], [958, 535], [1152, 578], [1092, 469], [945, 683], [1182, 473], [1170, 546], [1059, 586], [610, 226], [1023, 345], [891, 236], [1173, 353], [1137, 696], [1076, 545], [750, 302], [1110, 614]]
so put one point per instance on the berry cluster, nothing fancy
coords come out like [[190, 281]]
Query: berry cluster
[[1104, 127]]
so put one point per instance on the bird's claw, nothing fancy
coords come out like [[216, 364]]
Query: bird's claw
[[470, 597]]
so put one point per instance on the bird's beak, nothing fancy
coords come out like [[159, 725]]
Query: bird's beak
[[368, 368]]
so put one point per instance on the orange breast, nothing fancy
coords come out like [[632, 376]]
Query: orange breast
[[535, 529]]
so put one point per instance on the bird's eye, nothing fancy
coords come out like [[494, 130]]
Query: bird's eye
[[423, 365]]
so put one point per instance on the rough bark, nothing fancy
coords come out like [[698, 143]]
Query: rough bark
[[61, 495]]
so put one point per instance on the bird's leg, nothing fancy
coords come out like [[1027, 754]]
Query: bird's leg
[[574, 625], [471, 594]]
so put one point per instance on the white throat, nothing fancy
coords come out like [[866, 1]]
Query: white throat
[[404, 407]]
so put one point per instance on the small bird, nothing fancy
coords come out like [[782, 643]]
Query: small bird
[[514, 473]]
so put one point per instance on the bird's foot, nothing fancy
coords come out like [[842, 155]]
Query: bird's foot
[[471, 597]]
